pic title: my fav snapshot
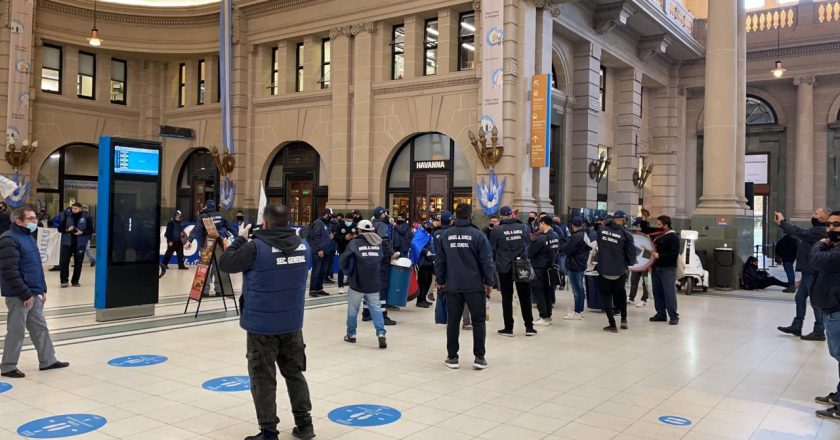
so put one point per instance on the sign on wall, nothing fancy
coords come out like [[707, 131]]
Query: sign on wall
[[20, 66], [756, 168], [540, 120], [492, 64]]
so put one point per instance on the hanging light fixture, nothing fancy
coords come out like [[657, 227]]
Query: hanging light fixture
[[778, 70], [94, 39]]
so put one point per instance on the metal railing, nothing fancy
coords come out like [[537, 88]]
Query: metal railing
[[764, 251]]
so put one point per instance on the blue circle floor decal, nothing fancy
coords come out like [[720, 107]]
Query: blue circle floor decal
[[67, 425], [228, 384], [137, 360], [364, 415], [675, 420], [5, 387]]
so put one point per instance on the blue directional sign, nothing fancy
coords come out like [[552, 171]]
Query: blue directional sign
[[228, 384], [5, 387], [364, 415], [675, 420], [137, 360], [67, 425]]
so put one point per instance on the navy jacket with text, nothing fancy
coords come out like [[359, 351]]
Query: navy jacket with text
[[825, 260], [508, 241], [361, 262], [616, 250], [465, 261]]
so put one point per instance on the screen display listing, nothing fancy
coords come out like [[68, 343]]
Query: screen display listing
[[133, 160]]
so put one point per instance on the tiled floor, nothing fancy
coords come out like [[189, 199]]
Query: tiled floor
[[725, 368]]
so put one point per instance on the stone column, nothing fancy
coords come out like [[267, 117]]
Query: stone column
[[339, 166], [661, 189], [627, 138], [586, 121], [414, 35], [741, 112], [311, 63], [286, 60], [246, 187], [70, 70], [544, 32], [803, 203], [447, 41], [721, 106], [150, 97], [363, 179], [211, 90]]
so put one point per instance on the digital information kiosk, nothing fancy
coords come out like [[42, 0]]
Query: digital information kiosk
[[128, 229]]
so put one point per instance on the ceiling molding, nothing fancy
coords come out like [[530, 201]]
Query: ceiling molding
[[272, 5], [785, 52], [161, 20]]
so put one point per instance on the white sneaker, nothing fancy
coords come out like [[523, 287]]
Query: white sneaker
[[542, 322], [629, 301], [641, 304], [341, 291], [573, 317]]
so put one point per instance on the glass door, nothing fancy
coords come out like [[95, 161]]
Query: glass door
[[299, 198]]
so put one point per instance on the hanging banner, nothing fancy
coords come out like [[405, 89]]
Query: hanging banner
[[492, 64], [20, 65], [49, 245], [540, 120]]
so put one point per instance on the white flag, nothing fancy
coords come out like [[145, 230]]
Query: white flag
[[7, 187], [263, 202]]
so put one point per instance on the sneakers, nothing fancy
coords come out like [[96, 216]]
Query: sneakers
[[574, 316], [265, 434], [423, 305], [530, 331], [388, 321], [304, 433], [611, 329], [65, 285], [791, 330], [830, 399], [641, 304], [830, 413], [77, 285], [452, 363], [350, 339], [674, 321], [382, 342], [543, 322], [341, 291], [56, 366], [789, 290], [813, 337], [507, 332], [624, 325], [479, 363], [317, 293], [657, 318], [629, 300], [14, 374]]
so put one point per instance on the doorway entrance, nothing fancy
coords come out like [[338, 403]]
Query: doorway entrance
[[198, 182], [293, 180], [68, 176]]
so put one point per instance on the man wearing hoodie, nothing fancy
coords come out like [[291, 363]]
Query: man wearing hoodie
[[380, 226], [422, 254], [509, 241], [360, 261], [807, 239], [577, 255], [319, 237], [464, 269], [825, 259], [402, 236], [616, 253], [274, 267], [200, 232]]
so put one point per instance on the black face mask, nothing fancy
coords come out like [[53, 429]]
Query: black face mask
[[816, 223], [834, 236], [240, 218], [428, 229], [531, 219]]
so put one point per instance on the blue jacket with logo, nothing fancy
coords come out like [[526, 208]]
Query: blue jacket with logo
[[274, 267], [465, 261], [21, 272], [79, 221]]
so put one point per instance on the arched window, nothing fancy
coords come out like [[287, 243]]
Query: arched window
[[759, 111], [69, 175], [554, 77]]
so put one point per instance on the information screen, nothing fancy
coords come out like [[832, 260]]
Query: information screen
[[132, 160]]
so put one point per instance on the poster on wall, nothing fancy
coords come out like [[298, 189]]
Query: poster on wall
[[20, 66], [492, 64], [540, 120], [756, 167]]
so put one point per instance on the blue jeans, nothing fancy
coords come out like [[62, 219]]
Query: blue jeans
[[791, 274], [665, 291], [354, 301], [802, 305], [832, 333], [576, 278]]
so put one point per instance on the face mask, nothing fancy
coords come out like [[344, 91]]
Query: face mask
[[834, 236], [348, 223], [428, 229], [32, 227], [815, 222], [240, 218]]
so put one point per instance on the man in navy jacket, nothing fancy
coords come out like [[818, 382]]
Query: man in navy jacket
[[75, 228], [319, 239], [360, 261], [24, 289], [274, 267], [825, 259]]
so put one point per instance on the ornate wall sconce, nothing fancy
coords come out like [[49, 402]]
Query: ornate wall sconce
[[489, 156], [225, 162], [598, 168], [18, 156], [640, 176]]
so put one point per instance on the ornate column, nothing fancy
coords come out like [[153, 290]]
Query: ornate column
[[627, 137], [721, 98], [545, 36], [741, 112], [447, 41], [586, 121], [414, 40], [363, 179], [803, 203], [339, 182]]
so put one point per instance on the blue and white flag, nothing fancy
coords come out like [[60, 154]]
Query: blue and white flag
[[228, 193]]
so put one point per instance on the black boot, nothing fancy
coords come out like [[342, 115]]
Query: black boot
[[388, 321], [265, 434], [366, 315]]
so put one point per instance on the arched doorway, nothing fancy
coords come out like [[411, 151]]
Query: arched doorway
[[428, 175], [293, 179], [69, 175], [198, 181]]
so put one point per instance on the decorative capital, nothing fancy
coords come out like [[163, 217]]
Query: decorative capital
[[808, 79], [341, 31], [610, 15], [252, 49], [357, 29], [552, 6], [653, 45], [477, 5]]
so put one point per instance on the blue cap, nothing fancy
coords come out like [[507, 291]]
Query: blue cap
[[446, 218], [210, 203], [619, 214], [577, 221], [506, 211], [378, 211]]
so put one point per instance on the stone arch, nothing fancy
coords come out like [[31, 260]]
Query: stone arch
[[781, 118], [272, 155], [834, 110], [562, 67]]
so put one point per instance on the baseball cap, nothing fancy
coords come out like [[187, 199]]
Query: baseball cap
[[505, 211], [365, 225], [619, 214], [210, 203], [446, 218], [577, 221], [378, 211], [328, 211]]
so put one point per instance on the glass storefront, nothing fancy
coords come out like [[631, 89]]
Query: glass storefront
[[198, 182]]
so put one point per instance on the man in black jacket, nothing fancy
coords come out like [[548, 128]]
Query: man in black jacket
[[174, 240], [577, 255], [200, 232], [825, 259], [664, 272], [360, 261], [616, 252], [402, 236], [464, 269], [319, 239], [509, 241], [380, 226], [786, 254], [344, 233], [5, 219], [444, 223], [543, 252], [807, 238]]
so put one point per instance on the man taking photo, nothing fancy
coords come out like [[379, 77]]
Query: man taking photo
[[825, 259], [274, 267]]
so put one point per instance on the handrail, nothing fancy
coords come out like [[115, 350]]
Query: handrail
[[772, 19]]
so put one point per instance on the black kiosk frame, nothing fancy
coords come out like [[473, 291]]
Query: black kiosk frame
[[128, 233]]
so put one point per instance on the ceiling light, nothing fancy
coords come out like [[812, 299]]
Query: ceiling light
[[778, 71], [94, 39]]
